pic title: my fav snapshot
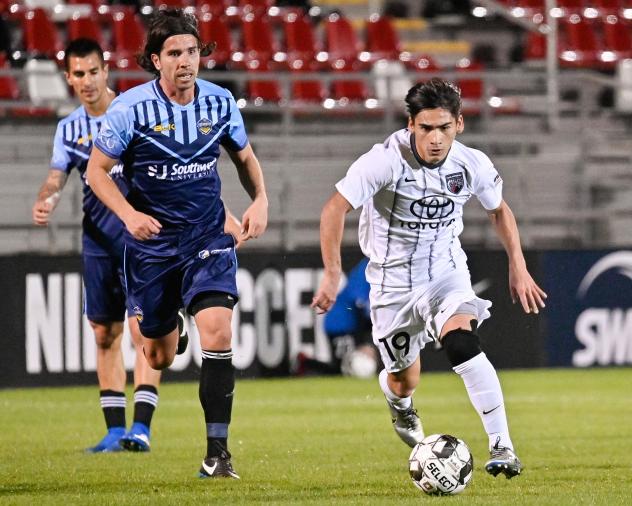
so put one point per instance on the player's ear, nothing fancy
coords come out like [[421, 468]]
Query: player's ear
[[156, 61], [411, 124], [460, 124], [67, 76]]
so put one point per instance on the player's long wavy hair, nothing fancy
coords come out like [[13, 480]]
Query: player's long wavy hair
[[164, 24], [433, 94]]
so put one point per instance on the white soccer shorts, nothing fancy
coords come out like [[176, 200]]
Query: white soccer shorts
[[403, 322]]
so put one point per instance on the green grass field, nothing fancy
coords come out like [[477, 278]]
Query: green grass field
[[324, 441]]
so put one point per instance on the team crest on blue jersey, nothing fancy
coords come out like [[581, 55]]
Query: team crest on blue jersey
[[139, 314], [204, 125], [455, 182]]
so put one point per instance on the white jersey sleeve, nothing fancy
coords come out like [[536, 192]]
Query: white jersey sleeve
[[366, 176], [487, 184]]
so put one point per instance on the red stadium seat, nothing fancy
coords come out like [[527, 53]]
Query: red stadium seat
[[214, 28], [608, 7], [618, 36], [125, 83], [87, 28], [176, 4], [9, 89], [262, 90], [258, 40], [343, 48], [570, 7], [40, 35], [381, 38], [343, 45], [535, 47], [302, 50], [581, 46], [471, 88], [300, 40], [530, 8], [128, 32], [258, 7], [215, 7]]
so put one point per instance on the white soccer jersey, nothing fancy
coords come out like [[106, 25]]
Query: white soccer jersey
[[412, 213]]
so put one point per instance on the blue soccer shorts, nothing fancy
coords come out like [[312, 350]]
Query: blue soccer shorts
[[158, 286], [104, 297]]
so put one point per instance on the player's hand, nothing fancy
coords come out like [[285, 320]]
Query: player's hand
[[41, 212], [525, 290], [142, 226], [326, 294], [255, 220]]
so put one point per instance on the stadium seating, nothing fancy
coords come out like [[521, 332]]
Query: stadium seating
[[9, 89], [302, 54], [258, 41], [128, 32], [214, 7], [44, 82], [259, 91], [581, 44], [608, 7], [618, 36], [40, 35], [471, 88], [257, 7], [343, 48], [129, 63], [382, 41], [214, 28], [86, 27], [175, 4]]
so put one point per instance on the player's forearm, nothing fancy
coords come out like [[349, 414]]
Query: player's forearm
[[103, 186], [332, 223], [54, 183], [506, 228]]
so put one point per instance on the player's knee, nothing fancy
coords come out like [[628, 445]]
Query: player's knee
[[106, 334], [460, 346], [157, 358]]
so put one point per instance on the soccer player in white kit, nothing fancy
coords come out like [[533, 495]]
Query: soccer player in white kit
[[412, 189]]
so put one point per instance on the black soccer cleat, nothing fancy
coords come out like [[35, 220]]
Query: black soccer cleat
[[218, 467], [183, 336], [503, 460]]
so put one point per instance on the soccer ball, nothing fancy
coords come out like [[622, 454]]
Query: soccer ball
[[441, 464]]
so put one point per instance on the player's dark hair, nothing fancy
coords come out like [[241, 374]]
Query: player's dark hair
[[433, 94], [166, 23], [82, 47]]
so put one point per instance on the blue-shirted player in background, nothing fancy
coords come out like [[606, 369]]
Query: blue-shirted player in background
[[105, 305], [169, 131]]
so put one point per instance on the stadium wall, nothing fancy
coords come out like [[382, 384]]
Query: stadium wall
[[587, 322]]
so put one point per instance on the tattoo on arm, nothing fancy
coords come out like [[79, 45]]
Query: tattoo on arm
[[55, 182]]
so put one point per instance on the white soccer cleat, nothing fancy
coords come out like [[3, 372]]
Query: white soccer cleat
[[407, 424]]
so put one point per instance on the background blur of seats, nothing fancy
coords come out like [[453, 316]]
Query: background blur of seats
[[319, 82]]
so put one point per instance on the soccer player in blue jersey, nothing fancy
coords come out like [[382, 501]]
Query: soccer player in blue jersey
[[176, 252], [87, 73]]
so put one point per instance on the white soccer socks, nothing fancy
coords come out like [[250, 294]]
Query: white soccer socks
[[483, 388]]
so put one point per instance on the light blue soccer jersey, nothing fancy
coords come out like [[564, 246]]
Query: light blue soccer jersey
[[172, 151], [102, 230]]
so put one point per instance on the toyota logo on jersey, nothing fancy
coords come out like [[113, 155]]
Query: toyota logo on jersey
[[432, 207]]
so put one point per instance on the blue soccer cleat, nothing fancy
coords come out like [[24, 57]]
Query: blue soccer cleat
[[110, 443], [136, 439]]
